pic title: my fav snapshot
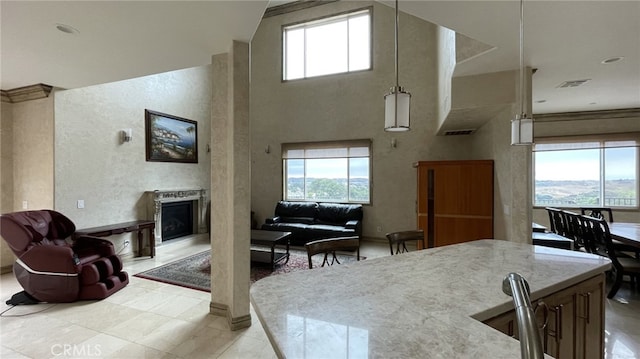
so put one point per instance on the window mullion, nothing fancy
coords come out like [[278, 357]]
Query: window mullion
[[304, 182], [304, 57], [602, 177], [348, 179], [348, 44]]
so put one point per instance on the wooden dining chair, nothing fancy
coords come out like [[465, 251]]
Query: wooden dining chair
[[557, 221], [600, 212], [597, 212], [599, 240], [330, 246], [573, 229], [400, 239]]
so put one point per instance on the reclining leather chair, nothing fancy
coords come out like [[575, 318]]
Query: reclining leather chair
[[52, 266]]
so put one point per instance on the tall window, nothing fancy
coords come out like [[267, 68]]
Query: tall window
[[583, 172], [327, 171], [328, 46]]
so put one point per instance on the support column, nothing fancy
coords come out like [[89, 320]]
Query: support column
[[231, 187]]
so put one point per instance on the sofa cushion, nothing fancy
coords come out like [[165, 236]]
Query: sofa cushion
[[325, 228], [296, 209], [303, 220], [335, 213], [285, 226]]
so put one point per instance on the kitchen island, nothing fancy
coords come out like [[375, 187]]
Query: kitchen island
[[423, 304]]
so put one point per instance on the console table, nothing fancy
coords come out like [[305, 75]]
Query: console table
[[125, 227]]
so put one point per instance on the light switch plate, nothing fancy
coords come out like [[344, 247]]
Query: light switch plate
[[25, 205], [81, 203]]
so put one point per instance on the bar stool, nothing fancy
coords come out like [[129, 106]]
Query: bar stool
[[399, 239], [330, 246]]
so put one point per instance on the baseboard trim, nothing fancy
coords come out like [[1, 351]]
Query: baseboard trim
[[222, 310], [6, 269]]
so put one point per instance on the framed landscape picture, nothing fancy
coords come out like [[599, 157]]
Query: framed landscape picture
[[170, 138]]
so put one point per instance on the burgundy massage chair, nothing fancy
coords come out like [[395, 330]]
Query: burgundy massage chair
[[54, 266]]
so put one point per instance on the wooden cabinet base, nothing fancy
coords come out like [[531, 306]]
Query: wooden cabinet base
[[574, 320]]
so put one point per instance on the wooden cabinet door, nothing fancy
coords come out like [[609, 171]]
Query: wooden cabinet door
[[455, 201], [576, 321], [590, 319], [559, 340]]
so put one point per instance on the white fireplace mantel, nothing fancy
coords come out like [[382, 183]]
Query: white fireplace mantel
[[198, 196]]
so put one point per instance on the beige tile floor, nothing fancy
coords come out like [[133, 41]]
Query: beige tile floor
[[149, 319]]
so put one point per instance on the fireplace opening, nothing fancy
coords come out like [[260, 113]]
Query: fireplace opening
[[177, 219]]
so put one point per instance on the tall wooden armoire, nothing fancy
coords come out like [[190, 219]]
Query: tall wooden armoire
[[455, 201]]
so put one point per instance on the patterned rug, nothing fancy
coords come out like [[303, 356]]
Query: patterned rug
[[194, 271]]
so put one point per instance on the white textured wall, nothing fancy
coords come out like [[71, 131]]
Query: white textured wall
[[111, 177], [512, 164], [27, 159], [6, 176], [6, 157], [492, 141], [33, 153], [350, 106]]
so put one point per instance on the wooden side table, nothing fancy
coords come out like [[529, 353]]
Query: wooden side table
[[125, 227], [269, 239]]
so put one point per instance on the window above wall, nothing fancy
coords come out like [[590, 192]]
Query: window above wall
[[330, 45], [587, 171], [335, 171]]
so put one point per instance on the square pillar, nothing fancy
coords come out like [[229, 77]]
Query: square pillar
[[231, 187]]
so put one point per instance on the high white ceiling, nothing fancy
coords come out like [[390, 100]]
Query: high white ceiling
[[564, 40], [117, 39]]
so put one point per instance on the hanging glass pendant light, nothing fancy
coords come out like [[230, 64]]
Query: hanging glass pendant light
[[522, 125], [397, 102]]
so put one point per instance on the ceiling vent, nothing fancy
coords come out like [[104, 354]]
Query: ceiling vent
[[574, 83], [458, 132]]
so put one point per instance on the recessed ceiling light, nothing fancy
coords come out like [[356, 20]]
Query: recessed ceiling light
[[612, 60], [67, 29]]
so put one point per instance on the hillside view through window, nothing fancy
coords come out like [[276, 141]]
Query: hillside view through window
[[327, 172], [587, 177]]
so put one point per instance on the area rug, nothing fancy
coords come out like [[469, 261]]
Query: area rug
[[194, 271]]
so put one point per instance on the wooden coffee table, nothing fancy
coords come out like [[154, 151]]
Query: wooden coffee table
[[263, 247]]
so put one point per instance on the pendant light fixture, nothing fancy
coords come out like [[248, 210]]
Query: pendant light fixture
[[397, 101], [522, 125]]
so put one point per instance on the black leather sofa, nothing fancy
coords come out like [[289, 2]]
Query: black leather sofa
[[308, 221]]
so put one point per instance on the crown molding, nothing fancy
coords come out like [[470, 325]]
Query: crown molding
[[588, 115], [294, 6], [21, 94]]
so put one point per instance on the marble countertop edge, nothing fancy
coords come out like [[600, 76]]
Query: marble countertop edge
[[540, 293], [459, 290]]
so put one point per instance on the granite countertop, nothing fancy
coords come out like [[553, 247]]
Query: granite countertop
[[422, 304]]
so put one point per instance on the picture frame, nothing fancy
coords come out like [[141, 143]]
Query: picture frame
[[170, 138]]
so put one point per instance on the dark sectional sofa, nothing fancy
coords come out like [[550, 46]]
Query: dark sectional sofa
[[308, 221]]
